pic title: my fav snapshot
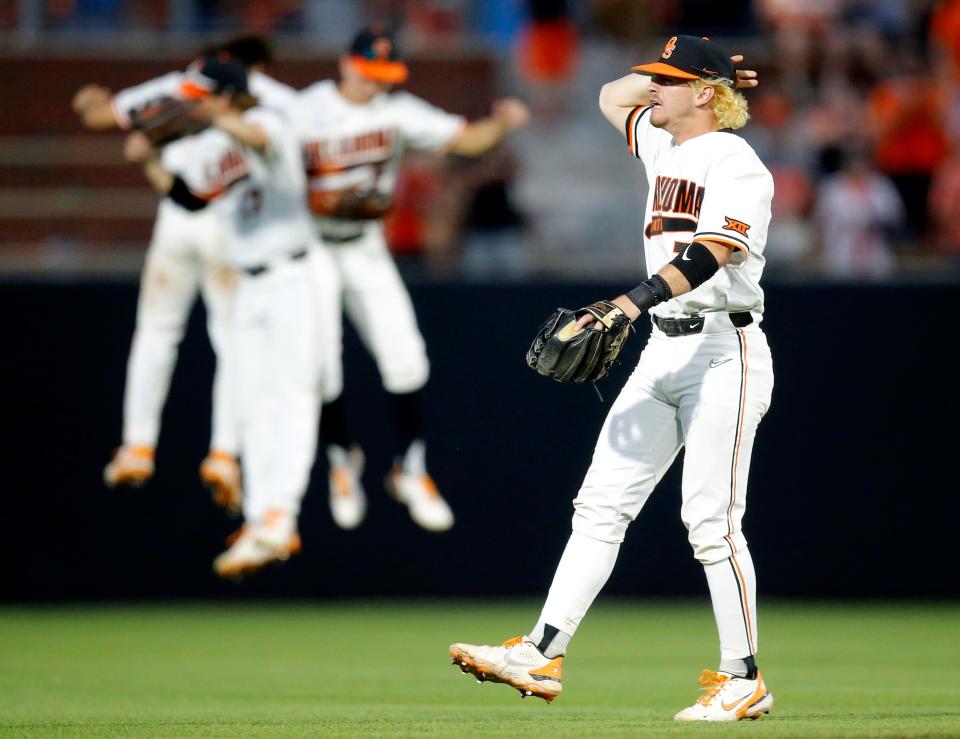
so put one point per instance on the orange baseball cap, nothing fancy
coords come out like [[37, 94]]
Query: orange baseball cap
[[374, 54]]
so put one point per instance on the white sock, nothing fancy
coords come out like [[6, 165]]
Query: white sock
[[584, 569], [733, 590], [737, 667], [337, 456], [415, 458]]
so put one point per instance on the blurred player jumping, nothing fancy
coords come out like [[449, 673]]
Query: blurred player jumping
[[356, 132], [186, 255], [248, 169], [703, 381]]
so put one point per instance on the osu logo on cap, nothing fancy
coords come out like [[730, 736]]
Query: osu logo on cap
[[669, 47]]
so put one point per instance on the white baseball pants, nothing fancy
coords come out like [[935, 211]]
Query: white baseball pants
[[278, 398], [329, 325], [186, 255], [706, 392], [378, 304]]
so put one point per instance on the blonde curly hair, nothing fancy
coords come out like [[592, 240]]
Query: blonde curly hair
[[728, 104]]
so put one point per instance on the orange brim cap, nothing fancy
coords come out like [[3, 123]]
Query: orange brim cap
[[664, 69], [190, 90], [392, 72]]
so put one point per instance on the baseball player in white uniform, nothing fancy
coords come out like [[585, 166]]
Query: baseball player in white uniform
[[250, 170], [356, 130], [703, 381], [186, 254]]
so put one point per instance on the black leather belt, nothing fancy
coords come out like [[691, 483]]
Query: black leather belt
[[261, 268], [694, 324], [340, 239]]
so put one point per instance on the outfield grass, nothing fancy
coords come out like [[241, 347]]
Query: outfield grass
[[381, 669]]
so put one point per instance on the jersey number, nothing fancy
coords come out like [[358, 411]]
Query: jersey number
[[251, 204]]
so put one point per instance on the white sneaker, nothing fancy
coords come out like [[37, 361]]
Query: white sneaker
[[427, 507], [517, 662], [728, 698], [131, 466], [348, 501], [221, 474], [275, 539]]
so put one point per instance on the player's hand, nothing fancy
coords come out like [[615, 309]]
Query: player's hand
[[586, 320], [511, 112], [745, 77], [623, 303], [137, 148], [88, 96]]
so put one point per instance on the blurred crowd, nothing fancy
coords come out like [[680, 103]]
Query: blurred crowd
[[857, 115], [858, 118]]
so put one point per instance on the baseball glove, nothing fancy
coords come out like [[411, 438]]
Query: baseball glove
[[350, 204], [566, 353], [167, 119]]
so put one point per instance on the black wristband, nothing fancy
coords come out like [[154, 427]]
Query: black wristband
[[697, 264], [182, 196], [650, 293]]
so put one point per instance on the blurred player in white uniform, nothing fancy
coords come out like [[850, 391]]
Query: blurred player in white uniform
[[248, 168], [186, 255], [703, 381], [356, 130], [857, 211]]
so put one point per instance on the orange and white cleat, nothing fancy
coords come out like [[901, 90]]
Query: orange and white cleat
[[221, 474], [254, 546], [348, 501], [420, 494], [728, 698], [409, 483], [517, 663], [131, 466]]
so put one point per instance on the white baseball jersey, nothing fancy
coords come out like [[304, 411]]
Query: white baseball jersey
[[356, 149], [711, 187], [261, 195]]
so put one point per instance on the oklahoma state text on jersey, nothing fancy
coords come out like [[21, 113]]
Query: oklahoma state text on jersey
[[712, 187], [324, 156]]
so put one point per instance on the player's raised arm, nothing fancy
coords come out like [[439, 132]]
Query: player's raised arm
[[101, 109], [619, 97], [244, 131], [478, 137]]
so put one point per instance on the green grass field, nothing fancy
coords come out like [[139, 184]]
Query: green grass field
[[381, 669]]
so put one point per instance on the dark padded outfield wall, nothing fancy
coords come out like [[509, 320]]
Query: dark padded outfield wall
[[852, 493]]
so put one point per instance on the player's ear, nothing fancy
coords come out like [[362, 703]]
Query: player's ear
[[704, 95]]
